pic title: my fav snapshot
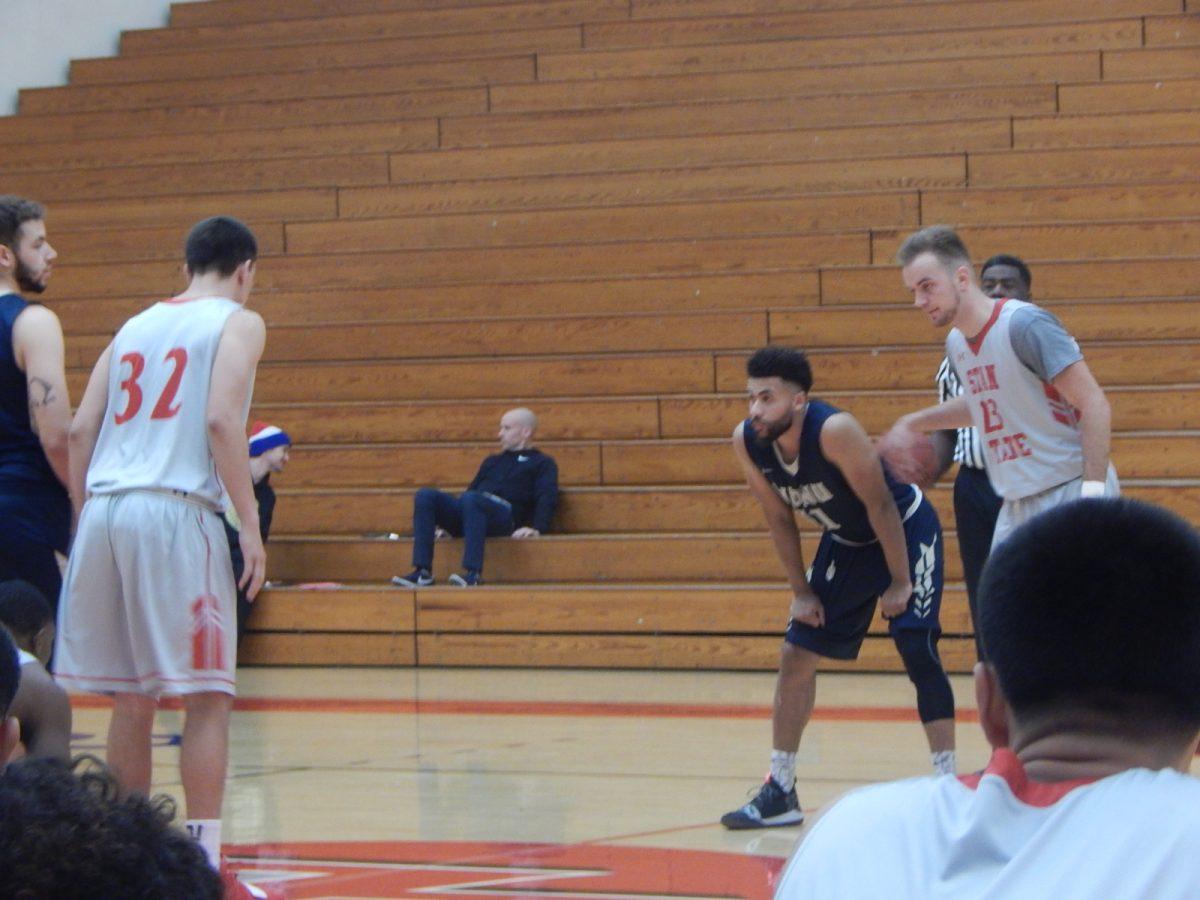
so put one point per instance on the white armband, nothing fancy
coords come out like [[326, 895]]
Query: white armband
[[1091, 489]]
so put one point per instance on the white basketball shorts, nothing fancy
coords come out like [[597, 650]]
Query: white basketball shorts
[[148, 598], [1014, 513]]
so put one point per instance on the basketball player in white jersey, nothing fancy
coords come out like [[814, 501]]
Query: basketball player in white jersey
[[1044, 422], [1090, 699], [148, 598]]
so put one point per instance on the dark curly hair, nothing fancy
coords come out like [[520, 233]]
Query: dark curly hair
[[786, 363], [67, 833], [23, 609]]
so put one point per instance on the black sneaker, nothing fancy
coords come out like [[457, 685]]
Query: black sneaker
[[770, 808], [414, 579], [469, 578]]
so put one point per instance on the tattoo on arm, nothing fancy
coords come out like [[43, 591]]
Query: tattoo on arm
[[41, 393]]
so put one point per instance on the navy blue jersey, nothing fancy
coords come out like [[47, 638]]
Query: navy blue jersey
[[32, 500], [817, 487]]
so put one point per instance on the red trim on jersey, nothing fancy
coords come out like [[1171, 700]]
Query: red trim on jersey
[[976, 342], [1007, 765]]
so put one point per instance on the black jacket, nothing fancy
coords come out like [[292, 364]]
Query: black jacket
[[528, 479]]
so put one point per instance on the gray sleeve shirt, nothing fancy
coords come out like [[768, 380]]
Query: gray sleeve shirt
[[1041, 343]]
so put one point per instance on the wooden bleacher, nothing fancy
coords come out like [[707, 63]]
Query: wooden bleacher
[[597, 208]]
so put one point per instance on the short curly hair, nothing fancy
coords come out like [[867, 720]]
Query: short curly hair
[[67, 833], [23, 609], [786, 363]]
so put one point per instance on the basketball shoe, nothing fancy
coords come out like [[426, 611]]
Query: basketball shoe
[[416, 578], [469, 578], [771, 807]]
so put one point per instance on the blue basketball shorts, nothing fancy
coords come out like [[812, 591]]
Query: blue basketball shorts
[[849, 579]]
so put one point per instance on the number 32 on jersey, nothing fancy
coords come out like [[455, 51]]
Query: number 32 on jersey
[[165, 407]]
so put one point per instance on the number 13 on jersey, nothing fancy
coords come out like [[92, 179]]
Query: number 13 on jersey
[[165, 407]]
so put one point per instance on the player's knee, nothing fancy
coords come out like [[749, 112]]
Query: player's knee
[[797, 662], [426, 496], [208, 703], [918, 650]]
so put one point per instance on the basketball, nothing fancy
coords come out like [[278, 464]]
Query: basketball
[[910, 456]]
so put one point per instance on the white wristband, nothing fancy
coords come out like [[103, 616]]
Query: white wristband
[[1091, 489]]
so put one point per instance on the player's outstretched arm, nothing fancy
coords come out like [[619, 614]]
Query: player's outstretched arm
[[1077, 384], [38, 347], [939, 417], [847, 446], [85, 429], [241, 346], [781, 523]]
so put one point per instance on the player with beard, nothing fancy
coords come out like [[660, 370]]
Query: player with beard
[[880, 541], [35, 411]]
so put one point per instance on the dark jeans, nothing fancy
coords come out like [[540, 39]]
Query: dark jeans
[[976, 507], [471, 515]]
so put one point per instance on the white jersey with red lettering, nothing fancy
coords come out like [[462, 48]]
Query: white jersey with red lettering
[[1133, 835], [155, 432], [1030, 433]]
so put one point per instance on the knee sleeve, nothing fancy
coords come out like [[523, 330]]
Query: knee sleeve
[[918, 649]]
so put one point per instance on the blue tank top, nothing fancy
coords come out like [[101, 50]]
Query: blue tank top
[[817, 488], [29, 490]]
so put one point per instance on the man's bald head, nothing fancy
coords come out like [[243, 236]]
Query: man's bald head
[[516, 429]]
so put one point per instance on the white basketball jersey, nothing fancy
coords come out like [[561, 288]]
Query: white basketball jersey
[[155, 430], [1030, 433], [1134, 835]]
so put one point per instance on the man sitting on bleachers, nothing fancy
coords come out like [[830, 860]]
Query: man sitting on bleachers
[[1090, 698], [514, 493]]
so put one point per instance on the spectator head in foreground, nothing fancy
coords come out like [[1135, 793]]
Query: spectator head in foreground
[[1090, 699], [66, 835], [1091, 620]]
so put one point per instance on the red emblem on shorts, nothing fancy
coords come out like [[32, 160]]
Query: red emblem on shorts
[[208, 649]]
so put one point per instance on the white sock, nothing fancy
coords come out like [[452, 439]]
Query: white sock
[[943, 762], [207, 833], [783, 768]]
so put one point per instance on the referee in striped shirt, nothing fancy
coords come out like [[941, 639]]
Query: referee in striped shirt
[[976, 505]]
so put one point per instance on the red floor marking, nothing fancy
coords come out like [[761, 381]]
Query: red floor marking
[[453, 869], [539, 708]]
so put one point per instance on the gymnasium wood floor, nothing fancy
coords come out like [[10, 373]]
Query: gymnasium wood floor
[[468, 782]]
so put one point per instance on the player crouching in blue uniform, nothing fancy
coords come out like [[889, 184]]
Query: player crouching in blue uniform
[[880, 541]]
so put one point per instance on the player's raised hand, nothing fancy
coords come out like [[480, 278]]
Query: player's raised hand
[[894, 600], [255, 557], [807, 608]]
